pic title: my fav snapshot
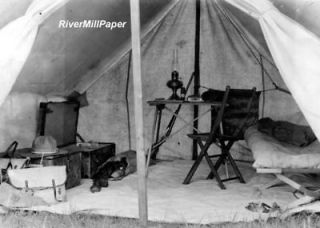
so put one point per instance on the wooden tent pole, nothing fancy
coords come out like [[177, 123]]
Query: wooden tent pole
[[138, 111], [197, 50], [196, 77]]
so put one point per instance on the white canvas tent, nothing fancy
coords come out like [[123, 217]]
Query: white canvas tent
[[61, 60], [95, 60]]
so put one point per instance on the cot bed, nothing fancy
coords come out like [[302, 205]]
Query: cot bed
[[284, 159]]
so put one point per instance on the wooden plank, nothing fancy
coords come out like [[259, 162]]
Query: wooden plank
[[290, 182], [138, 111], [301, 170], [287, 170], [269, 170], [298, 186]]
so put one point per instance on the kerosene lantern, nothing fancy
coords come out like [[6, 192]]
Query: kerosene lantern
[[175, 84]]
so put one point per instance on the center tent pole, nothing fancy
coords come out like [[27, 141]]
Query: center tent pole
[[196, 77], [138, 111]]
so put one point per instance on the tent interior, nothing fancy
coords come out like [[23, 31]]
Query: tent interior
[[97, 61]]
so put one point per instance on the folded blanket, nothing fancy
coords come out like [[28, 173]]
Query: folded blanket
[[287, 132]]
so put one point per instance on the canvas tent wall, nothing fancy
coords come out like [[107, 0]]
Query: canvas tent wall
[[60, 57], [71, 60], [224, 60]]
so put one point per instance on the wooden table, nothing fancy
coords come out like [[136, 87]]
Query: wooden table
[[160, 105]]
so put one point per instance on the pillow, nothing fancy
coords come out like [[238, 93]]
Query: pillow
[[287, 132]]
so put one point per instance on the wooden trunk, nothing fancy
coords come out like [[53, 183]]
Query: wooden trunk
[[93, 155]]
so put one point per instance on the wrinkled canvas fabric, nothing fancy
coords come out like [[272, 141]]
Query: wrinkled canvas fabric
[[225, 60], [13, 198], [17, 38], [296, 52]]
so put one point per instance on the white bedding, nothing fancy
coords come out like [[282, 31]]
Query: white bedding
[[270, 153]]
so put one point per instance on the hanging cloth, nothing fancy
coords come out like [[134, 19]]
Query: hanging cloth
[[17, 38], [296, 52]]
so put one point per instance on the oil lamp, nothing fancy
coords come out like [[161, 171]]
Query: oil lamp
[[175, 84]]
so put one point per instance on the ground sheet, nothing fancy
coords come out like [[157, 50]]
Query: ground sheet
[[202, 201]]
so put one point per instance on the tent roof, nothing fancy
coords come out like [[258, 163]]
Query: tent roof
[[60, 57]]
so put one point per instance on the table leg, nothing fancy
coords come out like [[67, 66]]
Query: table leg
[[195, 126], [152, 139], [157, 129]]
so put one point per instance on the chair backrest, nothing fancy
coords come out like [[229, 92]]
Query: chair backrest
[[241, 112]]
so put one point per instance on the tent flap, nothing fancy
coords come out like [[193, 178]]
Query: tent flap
[[16, 41], [295, 50]]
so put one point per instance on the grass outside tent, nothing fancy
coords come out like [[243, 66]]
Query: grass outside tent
[[20, 219]]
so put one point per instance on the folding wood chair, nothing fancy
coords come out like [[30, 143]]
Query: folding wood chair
[[239, 109]]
